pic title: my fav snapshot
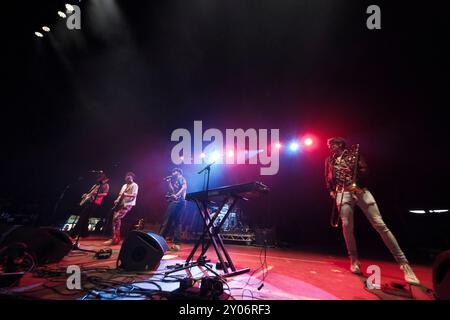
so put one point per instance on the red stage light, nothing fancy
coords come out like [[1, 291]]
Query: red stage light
[[308, 142], [278, 145]]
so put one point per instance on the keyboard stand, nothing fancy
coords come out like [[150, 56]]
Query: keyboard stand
[[210, 235]]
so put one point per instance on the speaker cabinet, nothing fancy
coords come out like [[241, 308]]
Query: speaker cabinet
[[441, 276], [47, 245], [141, 251]]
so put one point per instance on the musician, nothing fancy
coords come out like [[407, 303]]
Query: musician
[[90, 202], [348, 192], [177, 203], [123, 205]]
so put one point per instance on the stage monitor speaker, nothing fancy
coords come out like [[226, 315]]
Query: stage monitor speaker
[[441, 276], [265, 237], [141, 251], [47, 245]]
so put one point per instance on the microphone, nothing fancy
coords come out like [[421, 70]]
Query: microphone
[[95, 171], [168, 178]]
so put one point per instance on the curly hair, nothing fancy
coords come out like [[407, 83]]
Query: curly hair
[[337, 140]]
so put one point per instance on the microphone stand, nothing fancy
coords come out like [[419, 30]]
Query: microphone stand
[[58, 202], [60, 199], [207, 171]]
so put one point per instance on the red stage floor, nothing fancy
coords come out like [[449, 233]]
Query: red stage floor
[[290, 275]]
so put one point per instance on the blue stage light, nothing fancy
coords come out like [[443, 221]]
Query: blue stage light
[[294, 146]]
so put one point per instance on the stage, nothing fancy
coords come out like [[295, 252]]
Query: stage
[[287, 274]]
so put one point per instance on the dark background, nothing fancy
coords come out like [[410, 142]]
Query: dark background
[[109, 95]]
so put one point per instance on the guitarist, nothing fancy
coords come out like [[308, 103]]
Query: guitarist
[[176, 197], [344, 173], [122, 206], [90, 202]]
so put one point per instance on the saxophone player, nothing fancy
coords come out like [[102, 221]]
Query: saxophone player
[[345, 172]]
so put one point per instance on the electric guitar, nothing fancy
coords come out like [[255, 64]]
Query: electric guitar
[[119, 204], [88, 197], [171, 197]]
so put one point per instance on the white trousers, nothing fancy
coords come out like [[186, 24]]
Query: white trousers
[[367, 203]]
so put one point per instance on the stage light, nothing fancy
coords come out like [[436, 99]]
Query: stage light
[[294, 146], [69, 7], [181, 158], [308, 142], [429, 211], [38, 34], [46, 29], [417, 211], [202, 155], [214, 156], [278, 145], [62, 14], [230, 153]]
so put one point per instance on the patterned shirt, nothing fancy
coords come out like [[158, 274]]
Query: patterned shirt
[[339, 170], [343, 168]]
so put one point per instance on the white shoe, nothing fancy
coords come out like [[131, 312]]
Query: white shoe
[[410, 277], [110, 243], [355, 267]]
